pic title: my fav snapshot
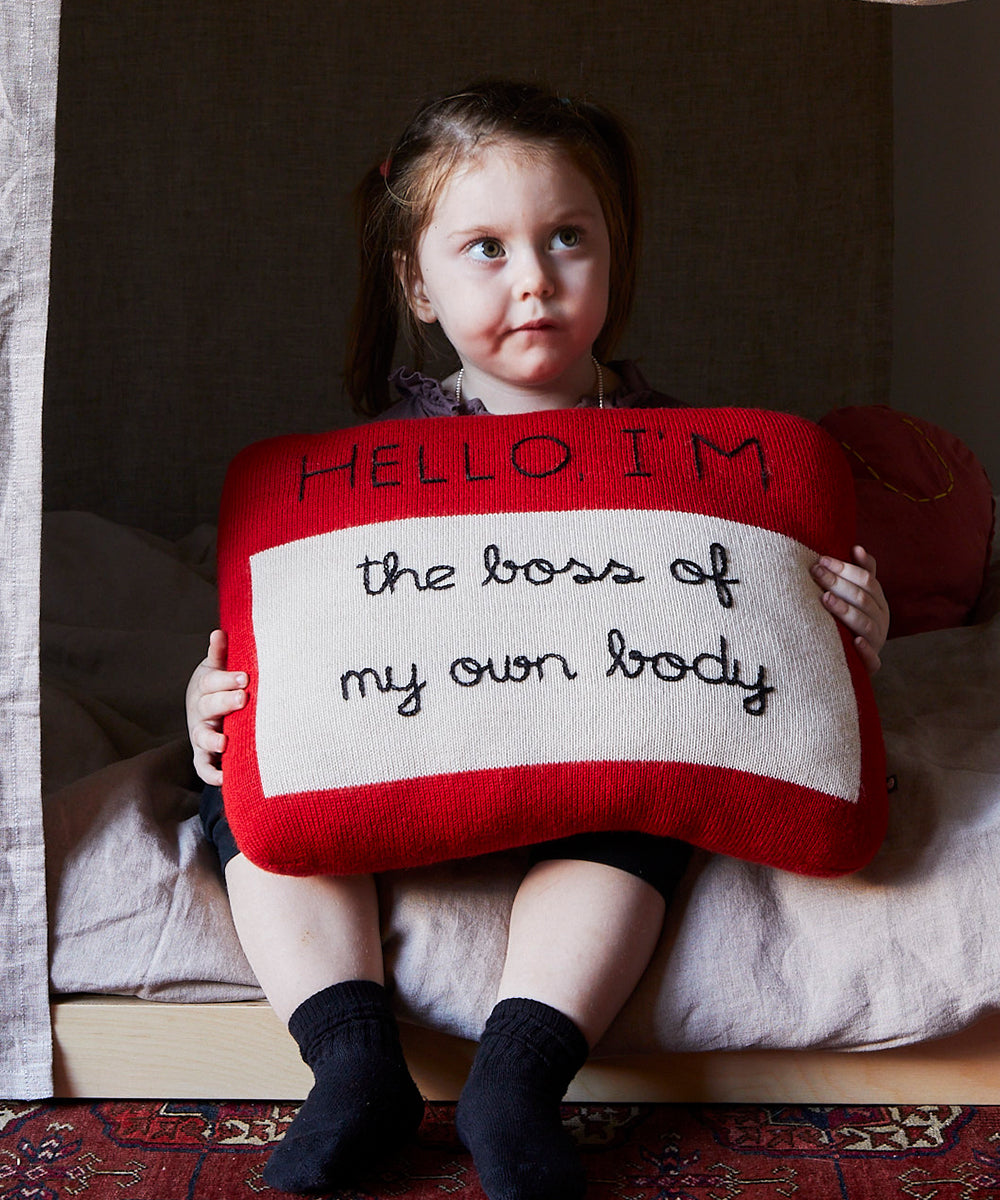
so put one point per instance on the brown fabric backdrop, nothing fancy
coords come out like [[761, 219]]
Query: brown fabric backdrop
[[203, 245]]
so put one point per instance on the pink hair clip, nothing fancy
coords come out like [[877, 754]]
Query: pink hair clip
[[384, 167]]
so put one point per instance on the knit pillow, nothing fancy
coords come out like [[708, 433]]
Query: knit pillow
[[925, 511], [466, 634]]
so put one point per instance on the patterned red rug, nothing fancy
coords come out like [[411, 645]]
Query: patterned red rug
[[189, 1151]]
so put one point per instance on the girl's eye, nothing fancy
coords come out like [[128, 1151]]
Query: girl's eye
[[565, 239], [486, 249]]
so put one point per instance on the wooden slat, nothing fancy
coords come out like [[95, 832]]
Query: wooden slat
[[122, 1048], [117, 1047]]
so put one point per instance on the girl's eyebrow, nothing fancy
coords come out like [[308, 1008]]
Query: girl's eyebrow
[[571, 216], [473, 231]]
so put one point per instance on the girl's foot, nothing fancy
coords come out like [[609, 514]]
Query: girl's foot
[[363, 1103], [508, 1114]]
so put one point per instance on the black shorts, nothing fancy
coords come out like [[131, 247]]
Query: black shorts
[[659, 861]]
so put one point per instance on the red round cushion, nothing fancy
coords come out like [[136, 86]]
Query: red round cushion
[[925, 511]]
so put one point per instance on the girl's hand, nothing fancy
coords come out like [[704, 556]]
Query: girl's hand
[[855, 597], [212, 693]]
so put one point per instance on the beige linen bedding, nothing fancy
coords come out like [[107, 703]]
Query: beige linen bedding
[[905, 950]]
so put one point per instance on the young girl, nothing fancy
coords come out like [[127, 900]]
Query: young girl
[[509, 217]]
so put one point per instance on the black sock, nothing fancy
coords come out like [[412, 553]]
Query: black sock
[[363, 1103], [508, 1113]]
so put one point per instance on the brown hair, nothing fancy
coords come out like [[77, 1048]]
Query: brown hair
[[396, 200]]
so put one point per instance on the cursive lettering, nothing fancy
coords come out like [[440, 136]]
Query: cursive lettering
[[671, 667], [409, 707], [470, 672], [540, 571], [686, 571], [380, 575]]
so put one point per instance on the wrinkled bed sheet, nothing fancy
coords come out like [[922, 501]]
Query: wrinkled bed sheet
[[905, 950]]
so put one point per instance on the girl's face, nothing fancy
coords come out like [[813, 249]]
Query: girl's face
[[514, 264]]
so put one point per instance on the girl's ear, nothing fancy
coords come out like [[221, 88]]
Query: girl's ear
[[416, 294]]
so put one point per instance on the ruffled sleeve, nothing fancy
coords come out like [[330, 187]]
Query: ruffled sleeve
[[419, 396]]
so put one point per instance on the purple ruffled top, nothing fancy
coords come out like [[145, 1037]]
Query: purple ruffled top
[[421, 396]]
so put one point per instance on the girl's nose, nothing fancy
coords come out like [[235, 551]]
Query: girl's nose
[[534, 277]]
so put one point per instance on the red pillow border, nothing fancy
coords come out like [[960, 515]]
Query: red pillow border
[[302, 835]]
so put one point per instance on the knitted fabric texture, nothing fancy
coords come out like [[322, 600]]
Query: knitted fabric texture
[[464, 635]]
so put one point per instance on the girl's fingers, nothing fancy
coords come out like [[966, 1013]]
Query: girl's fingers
[[217, 650], [864, 559], [213, 706], [867, 654], [221, 681], [212, 694], [850, 582], [208, 739], [856, 617], [853, 594], [856, 583], [208, 744], [207, 771]]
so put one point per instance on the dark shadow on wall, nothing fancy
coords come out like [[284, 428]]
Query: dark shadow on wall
[[203, 245]]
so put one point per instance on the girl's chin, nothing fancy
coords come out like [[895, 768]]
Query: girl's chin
[[548, 371]]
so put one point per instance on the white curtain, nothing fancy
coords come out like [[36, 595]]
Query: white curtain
[[28, 65]]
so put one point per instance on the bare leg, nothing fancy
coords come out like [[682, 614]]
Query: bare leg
[[301, 935], [315, 947], [581, 936]]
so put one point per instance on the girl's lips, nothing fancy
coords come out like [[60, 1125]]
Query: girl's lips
[[531, 326]]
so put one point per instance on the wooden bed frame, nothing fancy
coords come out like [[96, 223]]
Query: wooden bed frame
[[123, 1048]]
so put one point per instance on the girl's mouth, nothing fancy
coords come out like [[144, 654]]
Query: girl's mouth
[[531, 326]]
